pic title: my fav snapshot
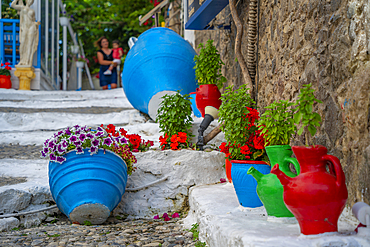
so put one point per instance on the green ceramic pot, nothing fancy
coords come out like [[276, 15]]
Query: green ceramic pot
[[269, 188]]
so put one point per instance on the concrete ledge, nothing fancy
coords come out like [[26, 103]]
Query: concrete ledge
[[223, 222]]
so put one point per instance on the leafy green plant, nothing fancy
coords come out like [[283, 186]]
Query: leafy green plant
[[277, 123], [174, 114], [304, 115], [208, 65], [238, 122], [195, 231], [87, 223]]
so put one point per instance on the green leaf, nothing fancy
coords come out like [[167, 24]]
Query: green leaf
[[312, 130], [298, 117], [300, 131]]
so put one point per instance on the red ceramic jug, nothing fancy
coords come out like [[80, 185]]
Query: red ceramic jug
[[207, 95], [5, 81], [317, 196]]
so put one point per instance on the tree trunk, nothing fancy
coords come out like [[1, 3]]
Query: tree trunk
[[238, 43]]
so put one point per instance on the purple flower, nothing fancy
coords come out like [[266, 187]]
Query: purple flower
[[95, 142], [167, 218], [46, 150], [156, 217], [165, 215], [123, 140], [78, 143], [82, 137], [65, 144], [60, 159], [52, 157], [46, 142], [60, 149], [43, 154], [73, 138], [78, 132], [93, 150], [76, 126], [99, 134], [68, 132], [79, 150], [222, 180], [107, 141], [100, 129], [51, 144], [89, 136]]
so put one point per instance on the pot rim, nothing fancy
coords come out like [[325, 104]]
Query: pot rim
[[74, 150], [248, 162], [277, 146]]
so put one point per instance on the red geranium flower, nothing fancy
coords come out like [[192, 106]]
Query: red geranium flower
[[135, 140], [182, 137], [175, 138], [163, 140], [245, 150], [123, 132], [174, 145], [259, 142]]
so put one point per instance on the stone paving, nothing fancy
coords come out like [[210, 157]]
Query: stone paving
[[57, 230], [114, 232]]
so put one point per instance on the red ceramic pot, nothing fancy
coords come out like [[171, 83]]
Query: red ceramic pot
[[228, 170], [5, 81], [207, 95], [316, 197]]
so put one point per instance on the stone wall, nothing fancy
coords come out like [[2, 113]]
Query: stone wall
[[323, 42]]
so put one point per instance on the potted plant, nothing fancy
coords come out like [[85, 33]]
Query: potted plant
[[5, 81], [80, 62], [277, 125], [88, 171], [174, 117], [207, 67], [317, 196], [245, 143]]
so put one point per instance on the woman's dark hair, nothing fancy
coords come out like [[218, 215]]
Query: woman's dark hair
[[116, 41], [98, 42]]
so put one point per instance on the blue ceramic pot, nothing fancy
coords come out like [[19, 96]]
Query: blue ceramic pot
[[244, 184], [88, 187], [194, 105]]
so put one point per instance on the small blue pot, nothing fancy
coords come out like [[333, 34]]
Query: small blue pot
[[244, 184], [194, 105], [88, 187]]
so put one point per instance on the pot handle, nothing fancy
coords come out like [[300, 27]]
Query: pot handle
[[337, 167], [295, 163]]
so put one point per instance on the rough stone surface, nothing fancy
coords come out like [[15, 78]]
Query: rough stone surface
[[8, 224], [14, 200], [326, 43], [184, 169]]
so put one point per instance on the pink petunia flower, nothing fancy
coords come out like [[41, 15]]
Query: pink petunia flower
[[222, 180], [156, 217], [175, 215]]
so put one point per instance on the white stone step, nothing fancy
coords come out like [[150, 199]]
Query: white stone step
[[223, 222]]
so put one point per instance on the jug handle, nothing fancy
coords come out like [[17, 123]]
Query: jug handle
[[295, 163], [337, 167]]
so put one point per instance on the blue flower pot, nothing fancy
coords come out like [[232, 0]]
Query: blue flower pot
[[194, 105], [88, 187], [244, 184]]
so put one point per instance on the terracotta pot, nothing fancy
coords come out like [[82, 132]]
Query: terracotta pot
[[207, 95], [5, 81], [228, 170], [316, 197]]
